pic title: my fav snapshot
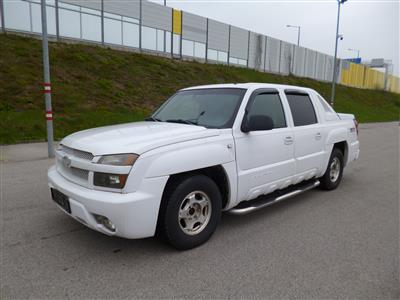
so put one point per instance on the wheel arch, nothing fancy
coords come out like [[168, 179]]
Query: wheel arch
[[217, 173], [344, 147]]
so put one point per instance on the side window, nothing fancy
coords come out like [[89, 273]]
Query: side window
[[269, 105], [302, 109]]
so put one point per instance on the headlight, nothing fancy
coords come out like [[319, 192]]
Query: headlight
[[118, 159], [115, 181]]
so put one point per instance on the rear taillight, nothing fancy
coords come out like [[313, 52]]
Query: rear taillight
[[356, 124]]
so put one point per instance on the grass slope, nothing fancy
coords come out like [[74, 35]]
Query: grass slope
[[94, 86]]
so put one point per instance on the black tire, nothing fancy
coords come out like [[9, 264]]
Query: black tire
[[170, 225], [329, 182]]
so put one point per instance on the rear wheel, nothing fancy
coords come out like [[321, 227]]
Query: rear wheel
[[334, 172], [190, 211]]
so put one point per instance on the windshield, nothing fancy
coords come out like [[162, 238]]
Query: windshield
[[213, 108]]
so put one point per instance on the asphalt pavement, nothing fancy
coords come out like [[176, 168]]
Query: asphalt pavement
[[339, 244]]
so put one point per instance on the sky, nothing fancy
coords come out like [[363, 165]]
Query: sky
[[370, 26]]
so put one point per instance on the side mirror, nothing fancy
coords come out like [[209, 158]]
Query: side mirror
[[257, 123]]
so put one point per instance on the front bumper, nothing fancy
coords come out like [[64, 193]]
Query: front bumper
[[133, 214]]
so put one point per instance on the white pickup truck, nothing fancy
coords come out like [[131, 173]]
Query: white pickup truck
[[208, 149]]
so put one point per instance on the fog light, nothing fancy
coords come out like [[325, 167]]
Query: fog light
[[116, 181], [106, 222]]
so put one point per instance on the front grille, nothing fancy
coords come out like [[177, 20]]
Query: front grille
[[77, 175], [77, 153], [82, 174]]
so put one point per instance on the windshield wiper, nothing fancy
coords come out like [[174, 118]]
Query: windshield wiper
[[152, 119], [181, 121]]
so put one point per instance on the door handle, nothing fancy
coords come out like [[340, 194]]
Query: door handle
[[318, 136], [288, 140]]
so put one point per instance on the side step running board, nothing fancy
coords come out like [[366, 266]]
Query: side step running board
[[267, 200]]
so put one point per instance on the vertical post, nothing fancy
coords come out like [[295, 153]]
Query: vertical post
[[57, 21], [47, 84], [292, 57], [80, 22], [280, 56], [298, 36], [229, 43], [334, 60], [248, 48], [3, 27], [165, 32], [315, 65], [122, 33], [140, 25], [364, 75], [172, 32], [30, 17], [102, 22], [180, 44], [385, 84], [265, 53], [207, 41]]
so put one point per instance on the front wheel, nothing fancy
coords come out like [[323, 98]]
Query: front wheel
[[334, 172], [190, 211]]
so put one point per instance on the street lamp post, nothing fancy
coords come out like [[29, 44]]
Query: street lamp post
[[336, 47], [356, 50], [298, 32], [46, 84]]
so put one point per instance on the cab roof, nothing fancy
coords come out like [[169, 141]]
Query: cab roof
[[249, 85]]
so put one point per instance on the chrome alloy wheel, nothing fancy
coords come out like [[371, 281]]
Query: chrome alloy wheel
[[334, 169], [194, 212]]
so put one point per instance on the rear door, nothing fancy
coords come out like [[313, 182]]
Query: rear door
[[308, 135]]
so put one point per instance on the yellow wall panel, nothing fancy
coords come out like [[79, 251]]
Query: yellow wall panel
[[177, 21], [363, 77]]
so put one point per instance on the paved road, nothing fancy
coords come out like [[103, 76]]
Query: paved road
[[340, 244]]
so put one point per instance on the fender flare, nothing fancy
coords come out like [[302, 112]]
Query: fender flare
[[194, 158], [337, 135]]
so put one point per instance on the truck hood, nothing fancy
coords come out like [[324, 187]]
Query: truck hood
[[138, 137]]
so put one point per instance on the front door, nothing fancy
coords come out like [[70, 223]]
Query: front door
[[265, 159]]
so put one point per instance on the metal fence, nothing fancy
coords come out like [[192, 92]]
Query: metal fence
[[150, 27]]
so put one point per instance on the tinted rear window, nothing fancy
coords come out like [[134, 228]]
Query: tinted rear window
[[302, 109]]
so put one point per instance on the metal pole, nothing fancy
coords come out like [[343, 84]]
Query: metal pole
[[207, 41], [47, 84], [293, 55], [3, 27], [180, 43], [265, 53], [335, 57], [229, 43], [248, 48], [280, 54], [385, 84], [172, 32], [102, 22], [140, 25], [57, 21], [165, 32], [298, 37]]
